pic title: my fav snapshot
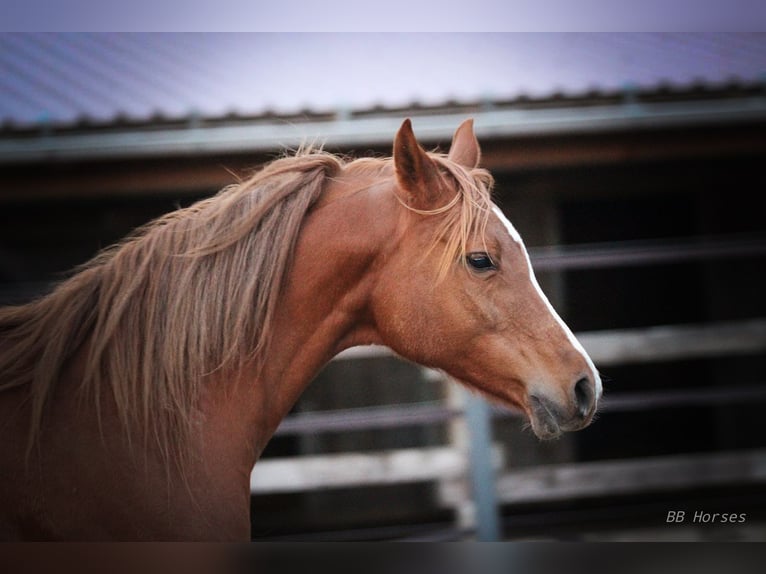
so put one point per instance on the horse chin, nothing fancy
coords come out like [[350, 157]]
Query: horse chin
[[544, 423]]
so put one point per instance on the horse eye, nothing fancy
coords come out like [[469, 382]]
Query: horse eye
[[480, 261]]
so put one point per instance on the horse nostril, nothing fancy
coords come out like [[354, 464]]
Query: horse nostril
[[583, 392]]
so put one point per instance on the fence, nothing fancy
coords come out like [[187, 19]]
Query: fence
[[470, 473]]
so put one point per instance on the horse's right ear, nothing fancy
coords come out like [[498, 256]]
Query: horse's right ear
[[416, 173], [465, 148]]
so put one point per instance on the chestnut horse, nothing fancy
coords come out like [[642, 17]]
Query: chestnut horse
[[138, 395]]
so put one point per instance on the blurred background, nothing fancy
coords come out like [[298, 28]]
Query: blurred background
[[633, 166]]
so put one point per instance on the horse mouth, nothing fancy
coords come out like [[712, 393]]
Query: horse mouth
[[544, 422], [549, 421], [545, 417]]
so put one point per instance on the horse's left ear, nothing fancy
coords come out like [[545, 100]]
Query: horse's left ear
[[465, 147], [416, 173]]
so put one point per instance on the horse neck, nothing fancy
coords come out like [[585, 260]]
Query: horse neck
[[324, 308]]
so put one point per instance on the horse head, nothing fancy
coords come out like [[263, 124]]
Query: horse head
[[458, 292]]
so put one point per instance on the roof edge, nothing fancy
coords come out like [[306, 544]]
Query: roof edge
[[347, 131]]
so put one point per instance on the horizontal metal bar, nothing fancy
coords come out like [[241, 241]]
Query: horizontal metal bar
[[345, 131], [366, 418], [628, 401], [644, 401], [396, 416]]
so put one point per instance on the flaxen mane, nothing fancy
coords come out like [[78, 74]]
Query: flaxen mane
[[189, 295]]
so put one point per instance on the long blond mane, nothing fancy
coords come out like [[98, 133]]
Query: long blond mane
[[188, 297]]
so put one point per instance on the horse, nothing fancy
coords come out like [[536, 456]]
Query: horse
[[137, 396]]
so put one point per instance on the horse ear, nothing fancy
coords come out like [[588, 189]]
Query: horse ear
[[465, 147], [416, 173]]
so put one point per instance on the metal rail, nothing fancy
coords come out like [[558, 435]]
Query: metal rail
[[369, 418], [395, 416]]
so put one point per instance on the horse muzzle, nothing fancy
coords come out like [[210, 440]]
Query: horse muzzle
[[549, 419]]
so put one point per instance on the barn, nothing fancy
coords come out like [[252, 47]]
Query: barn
[[632, 165]]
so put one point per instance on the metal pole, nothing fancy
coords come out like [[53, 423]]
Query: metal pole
[[482, 473]]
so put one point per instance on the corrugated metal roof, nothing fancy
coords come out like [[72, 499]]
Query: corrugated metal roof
[[70, 79]]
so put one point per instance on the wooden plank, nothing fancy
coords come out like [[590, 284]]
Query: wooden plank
[[297, 474], [366, 352], [608, 478], [666, 343]]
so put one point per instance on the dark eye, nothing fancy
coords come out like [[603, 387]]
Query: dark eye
[[480, 261]]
